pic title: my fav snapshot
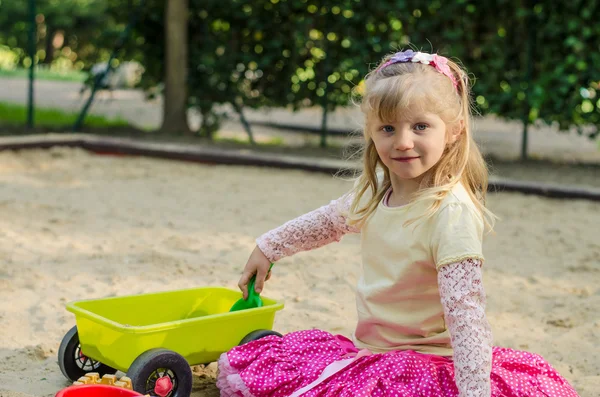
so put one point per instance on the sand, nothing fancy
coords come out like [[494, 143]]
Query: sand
[[78, 226]]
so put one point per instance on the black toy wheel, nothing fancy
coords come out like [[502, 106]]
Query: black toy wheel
[[73, 362], [165, 365], [258, 334]]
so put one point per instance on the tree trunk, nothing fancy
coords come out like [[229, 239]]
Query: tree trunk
[[240, 111], [49, 45], [176, 68]]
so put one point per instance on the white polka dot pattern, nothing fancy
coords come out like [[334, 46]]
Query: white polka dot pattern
[[276, 367]]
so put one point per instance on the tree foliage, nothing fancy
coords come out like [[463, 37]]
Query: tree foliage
[[74, 33], [534, 60]]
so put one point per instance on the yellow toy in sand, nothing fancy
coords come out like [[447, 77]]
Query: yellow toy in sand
[[93, 378], [154, 338]]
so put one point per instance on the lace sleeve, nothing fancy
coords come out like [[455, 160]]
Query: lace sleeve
[[309, 231], [463, 298]]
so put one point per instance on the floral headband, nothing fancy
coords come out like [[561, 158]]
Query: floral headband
[[440, 63]]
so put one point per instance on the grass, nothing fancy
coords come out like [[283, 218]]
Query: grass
[[277, 145], [44, 74], [243, 141], [16, 115]]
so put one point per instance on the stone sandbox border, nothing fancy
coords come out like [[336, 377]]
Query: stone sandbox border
[[211, 155]]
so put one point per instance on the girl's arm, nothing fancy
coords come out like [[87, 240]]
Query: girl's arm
[[463, 298], [309, 231]]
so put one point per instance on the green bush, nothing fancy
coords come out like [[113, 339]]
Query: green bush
[[534, 60], [73, 33], [8, 58]]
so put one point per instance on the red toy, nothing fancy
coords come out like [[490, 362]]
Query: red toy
[[96, 391]]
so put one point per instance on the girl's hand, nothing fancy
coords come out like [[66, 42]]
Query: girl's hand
[[257, 264]]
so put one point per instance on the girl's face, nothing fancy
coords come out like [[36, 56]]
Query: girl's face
[[412, 145]]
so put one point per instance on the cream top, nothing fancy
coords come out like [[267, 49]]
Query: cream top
[[398, 299]]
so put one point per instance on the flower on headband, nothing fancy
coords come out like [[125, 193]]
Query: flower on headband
[[402, 56], [438, 62], [441, 64], [423, 58]]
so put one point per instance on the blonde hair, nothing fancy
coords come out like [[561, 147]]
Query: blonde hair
[[392, 90]]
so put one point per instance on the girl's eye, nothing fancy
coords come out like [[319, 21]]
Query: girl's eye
[[421, 127], [387, 128]]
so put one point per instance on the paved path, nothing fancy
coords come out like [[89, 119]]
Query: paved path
[[499, 138]]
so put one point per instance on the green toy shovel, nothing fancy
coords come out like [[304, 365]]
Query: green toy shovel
[[253, 297]]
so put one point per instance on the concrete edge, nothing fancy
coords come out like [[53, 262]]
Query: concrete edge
[[338, 132], [209, 155]]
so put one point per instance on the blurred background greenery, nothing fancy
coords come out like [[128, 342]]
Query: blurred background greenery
[[534, 61]]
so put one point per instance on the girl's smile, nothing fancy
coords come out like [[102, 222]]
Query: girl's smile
[[405, 159]]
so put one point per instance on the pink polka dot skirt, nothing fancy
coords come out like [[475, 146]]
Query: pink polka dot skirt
[[294, 365]]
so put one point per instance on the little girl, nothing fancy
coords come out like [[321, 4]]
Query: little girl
[[420, 208]]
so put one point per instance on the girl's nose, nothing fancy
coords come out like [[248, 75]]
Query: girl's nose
[[403, 142]]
